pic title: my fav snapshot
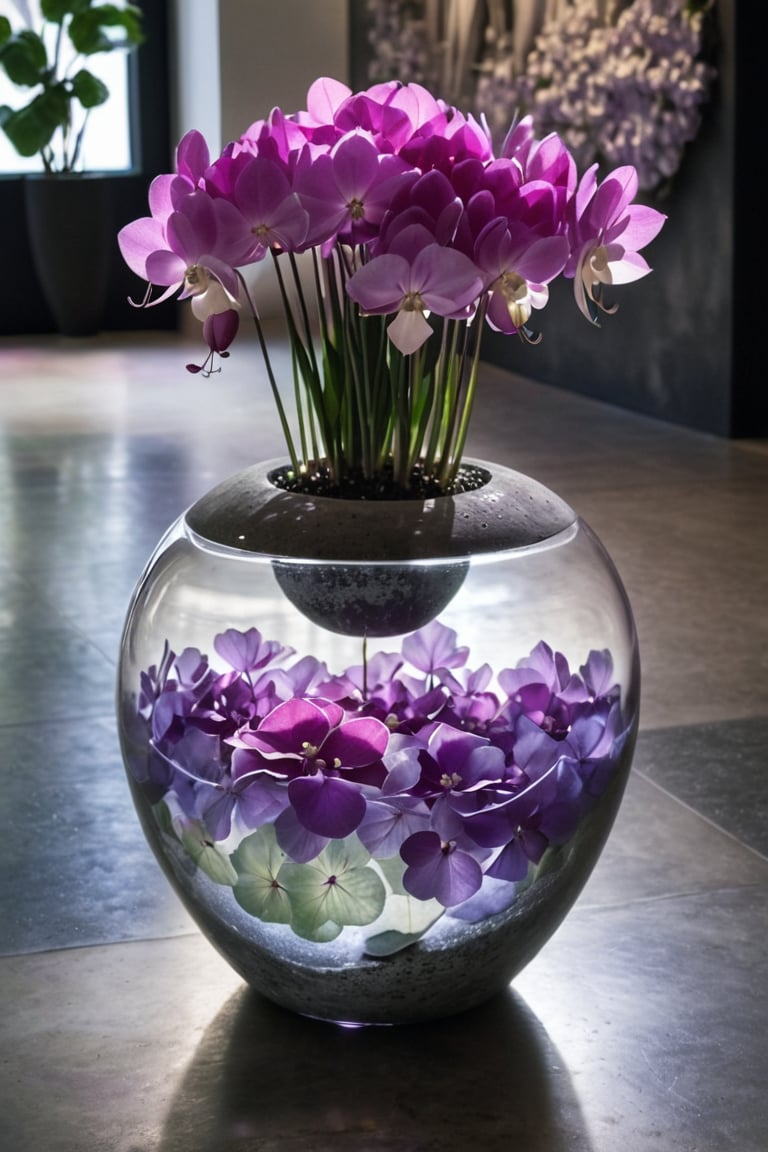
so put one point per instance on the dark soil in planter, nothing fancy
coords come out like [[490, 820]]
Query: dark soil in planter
[[354, 485]]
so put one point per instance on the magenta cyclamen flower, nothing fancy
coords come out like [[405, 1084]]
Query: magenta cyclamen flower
[[270, 208], [436, 279], [193, 251], [517, 267], [395, 232], [347, 191], [607, 232]]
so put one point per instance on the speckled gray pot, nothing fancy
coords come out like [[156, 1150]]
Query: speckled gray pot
[[372, 570], [506, 567]]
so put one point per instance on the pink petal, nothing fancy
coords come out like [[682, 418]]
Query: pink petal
[[324, 98], [192, 155], [447, 279], [166, 268], [380, 285], [616, 191], [357, 743], [631, 267], [355, 165], [544, 260], [643, 225], [260, 188], [137, 240]]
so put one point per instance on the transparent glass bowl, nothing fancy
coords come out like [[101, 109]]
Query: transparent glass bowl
[[378, 758]]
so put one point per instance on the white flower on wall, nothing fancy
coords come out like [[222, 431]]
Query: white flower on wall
[[622, 81]]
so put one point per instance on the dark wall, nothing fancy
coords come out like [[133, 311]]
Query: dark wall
[[683, 345], [23, 310]]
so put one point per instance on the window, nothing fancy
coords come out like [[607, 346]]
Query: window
[[107, 144]]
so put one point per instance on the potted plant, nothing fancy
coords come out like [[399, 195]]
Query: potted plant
[[377, 700], [45, 59]]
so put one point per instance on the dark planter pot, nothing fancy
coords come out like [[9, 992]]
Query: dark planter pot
[[70, 227]]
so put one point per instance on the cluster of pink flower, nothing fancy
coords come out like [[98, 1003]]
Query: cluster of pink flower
[[402, 200]]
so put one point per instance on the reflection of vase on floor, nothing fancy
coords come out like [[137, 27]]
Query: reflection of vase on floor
[[379, 832], [235, 1085], [71, 235]]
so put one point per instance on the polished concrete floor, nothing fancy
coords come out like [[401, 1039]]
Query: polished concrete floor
[[640, 1027]]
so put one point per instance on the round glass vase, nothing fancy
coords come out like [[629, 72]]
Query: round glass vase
[[378, 746]]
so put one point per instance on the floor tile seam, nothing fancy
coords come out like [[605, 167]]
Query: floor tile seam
[[109, 655], [53, 721], [68, 619], [32, 582], [64, 949], [701, 815], [639, 495], [666, 729], [587, 906]]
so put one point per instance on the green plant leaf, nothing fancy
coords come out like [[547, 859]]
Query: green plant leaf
[[30, 129], [317, 933], [388, 943], [403, 921], [163, 817], [336, 887], [88, 29], [257, 861], [552, 861], [210, 859], [24, 59], [56, 11], [88, 89], [393, 868], [5, 30]]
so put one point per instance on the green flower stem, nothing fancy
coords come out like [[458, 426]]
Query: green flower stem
[[460, 438], [401, 426], [454, 375], [441, 373], [323, 293], [330, 321], [300, 399], [358, 421], [309, 342], [306, 362], [422, 392], [367, 430], [361, 402], [271, 376]]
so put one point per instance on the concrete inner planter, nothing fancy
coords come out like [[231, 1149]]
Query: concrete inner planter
[[375, 567]]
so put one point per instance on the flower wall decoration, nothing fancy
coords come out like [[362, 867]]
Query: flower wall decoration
[[621, 81]]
